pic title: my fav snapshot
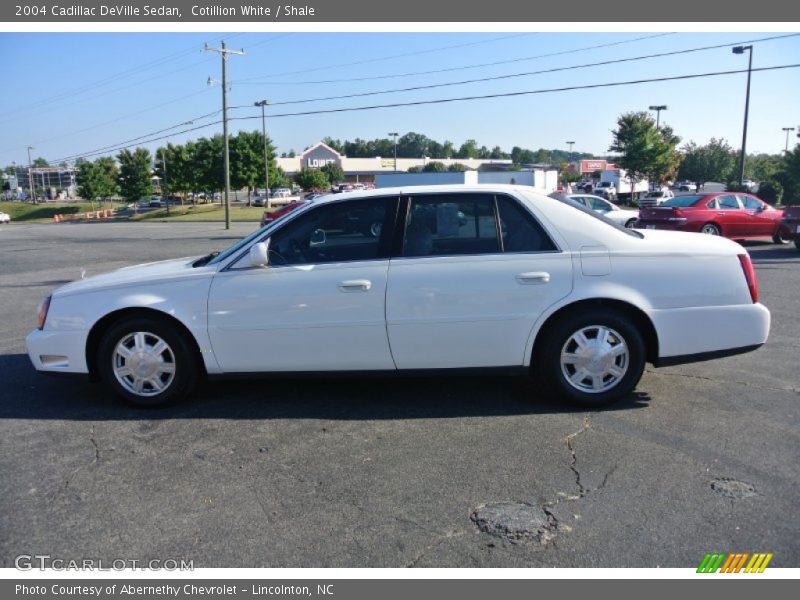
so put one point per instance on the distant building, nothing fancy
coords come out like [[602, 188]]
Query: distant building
[[542, 179], [48, 182], [365, 170]]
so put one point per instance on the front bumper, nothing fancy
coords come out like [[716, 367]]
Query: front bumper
[[57, 351]]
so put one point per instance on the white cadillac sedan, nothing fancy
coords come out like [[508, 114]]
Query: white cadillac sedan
[[460, 279]]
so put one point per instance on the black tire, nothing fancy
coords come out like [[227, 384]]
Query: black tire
[[549, 371], [779, 238], [797, 243], [186, 365], [711, 229]]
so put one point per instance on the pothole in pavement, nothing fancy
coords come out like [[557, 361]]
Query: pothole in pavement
[[733, 488], [515, 522]]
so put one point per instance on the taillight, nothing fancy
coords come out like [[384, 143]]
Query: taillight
[[750, 276], [44, 306]]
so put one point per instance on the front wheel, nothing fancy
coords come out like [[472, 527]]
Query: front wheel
[[147, 362], [797, 243], [593, 358]]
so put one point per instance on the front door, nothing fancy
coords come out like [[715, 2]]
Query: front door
[[320, 304]]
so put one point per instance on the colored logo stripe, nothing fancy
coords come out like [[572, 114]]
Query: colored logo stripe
[[734, 562]]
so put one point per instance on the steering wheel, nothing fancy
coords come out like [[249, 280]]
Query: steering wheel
[[297, 249]]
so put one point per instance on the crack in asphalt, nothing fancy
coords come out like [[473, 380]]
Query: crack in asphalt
[[440, 539], [728, 381], [75, 471], [573, 463]]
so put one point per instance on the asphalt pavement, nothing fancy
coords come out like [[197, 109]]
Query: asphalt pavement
[[386, 472]]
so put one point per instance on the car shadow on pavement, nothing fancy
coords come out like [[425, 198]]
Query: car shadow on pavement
[[771, 254], [31, 395]]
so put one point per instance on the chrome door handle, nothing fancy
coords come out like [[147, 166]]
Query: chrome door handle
[[534, 277], [355, 285], [720, 213]]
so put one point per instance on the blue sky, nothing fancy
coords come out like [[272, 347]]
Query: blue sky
[[71, 93]]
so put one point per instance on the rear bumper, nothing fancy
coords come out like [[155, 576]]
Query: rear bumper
[[696, 334], [665, 225]]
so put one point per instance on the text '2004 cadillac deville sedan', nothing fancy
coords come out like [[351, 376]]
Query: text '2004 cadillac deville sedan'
[[398, 280]]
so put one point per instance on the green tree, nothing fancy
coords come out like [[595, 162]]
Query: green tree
[[469, 149], [434, 167], [456, 168], [713, 162], [789, 176], [89, 180], [644, 150], [208, 163], [333, 172], [311, 179], [247, 161], [40, 162], [109, 176], [134, 174]]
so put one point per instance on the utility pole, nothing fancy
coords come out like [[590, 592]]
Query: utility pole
[[263, 104], [30, 175], [224, 52], [394, 134], [740, 50], [658, 110], [787, 130]]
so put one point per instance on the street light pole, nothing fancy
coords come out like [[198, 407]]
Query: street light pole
[[165, 191], [262, 104], [658, 108], [740, 50], [394, 134], [30, 175], [224, 52], [787, 130], [570, 144]]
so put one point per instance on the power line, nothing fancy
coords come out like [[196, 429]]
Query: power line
[[110, 79], [457, 99], [520, 93], [524, 74], [141, 139], [382, 58], [450, 69]]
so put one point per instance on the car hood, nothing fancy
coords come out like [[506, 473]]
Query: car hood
[[154, 272]]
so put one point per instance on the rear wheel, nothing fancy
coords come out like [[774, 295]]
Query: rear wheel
[[146, 361], [780, 238], [797, 243], [710, 229], [592, 358]]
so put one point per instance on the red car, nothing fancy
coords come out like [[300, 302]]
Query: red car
[[790, 225], [270, 216], [733, 215]]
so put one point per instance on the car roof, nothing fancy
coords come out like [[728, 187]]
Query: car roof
[[427, 189]]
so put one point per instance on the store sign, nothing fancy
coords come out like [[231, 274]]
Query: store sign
[[319, 156], [318, 163], [588, 166]]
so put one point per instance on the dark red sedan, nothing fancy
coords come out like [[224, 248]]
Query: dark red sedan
[[733, 215], [274, 215], [790, 225]]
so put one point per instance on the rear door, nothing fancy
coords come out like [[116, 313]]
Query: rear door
[[730, 215], [472, 275]]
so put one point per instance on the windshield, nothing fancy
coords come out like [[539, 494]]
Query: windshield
[[594, 214], [258, 233], [681, 201]]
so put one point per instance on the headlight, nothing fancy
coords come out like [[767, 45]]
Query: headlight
[[44, 306]]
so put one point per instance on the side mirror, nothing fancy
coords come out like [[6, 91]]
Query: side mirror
[[761, 208], [317, 238], [258, 255]]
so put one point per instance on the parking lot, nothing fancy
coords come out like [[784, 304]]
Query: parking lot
[[390, 472]]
